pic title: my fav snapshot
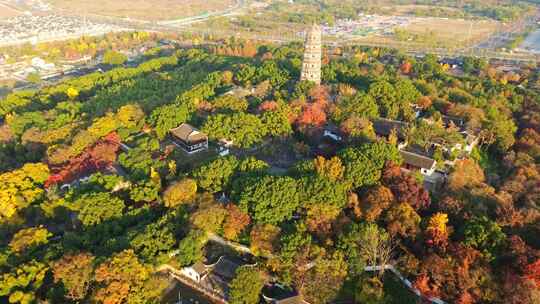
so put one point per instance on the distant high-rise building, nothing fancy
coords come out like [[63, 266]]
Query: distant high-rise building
[[311, 67]]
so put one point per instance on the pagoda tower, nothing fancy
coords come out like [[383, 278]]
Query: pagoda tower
[[311, 67]]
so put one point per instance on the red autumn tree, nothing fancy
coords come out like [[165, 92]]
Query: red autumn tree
[[465, 298], [422, 283], [312, 115], [516, 290], [405, 67], [96, 158], [320, 95], [405, 187], [532, 273]]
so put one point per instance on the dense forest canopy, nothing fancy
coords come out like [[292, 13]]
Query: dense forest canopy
[[94, 197]]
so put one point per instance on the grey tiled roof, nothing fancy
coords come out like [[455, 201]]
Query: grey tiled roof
[[417, 160]]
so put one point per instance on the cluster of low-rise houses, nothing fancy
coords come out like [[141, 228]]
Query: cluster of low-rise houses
[[212, 278], [423, 159], [28, 28], [366, 24], [21, 69]]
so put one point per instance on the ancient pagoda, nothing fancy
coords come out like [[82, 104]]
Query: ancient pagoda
[[311, 67]]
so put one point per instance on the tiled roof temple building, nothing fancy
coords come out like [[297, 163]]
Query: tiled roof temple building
[[311, 67]]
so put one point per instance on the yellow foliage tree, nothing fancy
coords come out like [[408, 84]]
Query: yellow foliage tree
[[438, 222], [29, 237], [20, 188], [130, 115], [331, 168], [437, 231], [181, 192], [72, 93]]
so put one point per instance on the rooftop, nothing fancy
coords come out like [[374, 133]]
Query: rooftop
[[417, 160], [226, 268], [188, 133], [383, 127], [199, 267]]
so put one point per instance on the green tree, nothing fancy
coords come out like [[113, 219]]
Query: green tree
[[277, 123], [138, 161], [167, 117], [114, 58], [191, 248], [243, 129], [375, 245], [216, 175], [358, 105], [370, 290], [427, 67], [251, 164], [500, 129], [363, 165], [144, 191], [229, 103], [324, 281], [484, 235], [406, 92], [269, 70], [245, 75], [246, 286], [319, 189], [95, 208], [386, 96], [155, 239], [270, 199], [209, 218]]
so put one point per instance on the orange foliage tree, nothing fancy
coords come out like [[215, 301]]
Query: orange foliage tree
[[405, 67], [235, 221], [120, 276]]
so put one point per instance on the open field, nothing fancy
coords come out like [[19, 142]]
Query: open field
[[141, 9], [452, 32], [7, 12]]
